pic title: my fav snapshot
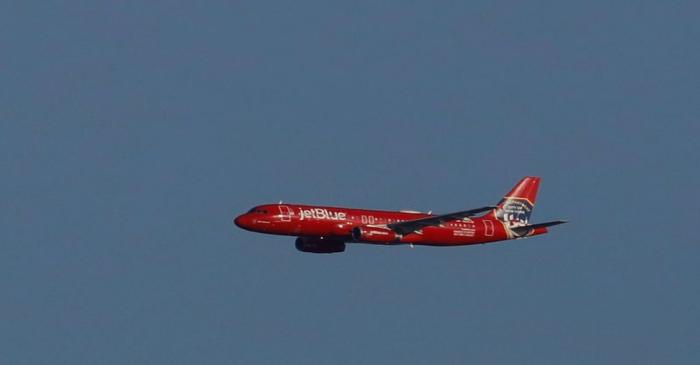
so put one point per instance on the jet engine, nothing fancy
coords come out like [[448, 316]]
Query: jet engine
[[374, 234], [319, 245]]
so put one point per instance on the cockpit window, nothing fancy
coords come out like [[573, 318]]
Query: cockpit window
[[258, 211]]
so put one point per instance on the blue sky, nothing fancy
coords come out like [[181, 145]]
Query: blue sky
[[131, 134]]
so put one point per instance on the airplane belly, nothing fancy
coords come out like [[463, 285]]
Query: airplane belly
[[440, 236], [446, 236]]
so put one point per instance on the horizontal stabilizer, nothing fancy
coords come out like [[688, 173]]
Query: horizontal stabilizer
[[523, 230], [547, 224]]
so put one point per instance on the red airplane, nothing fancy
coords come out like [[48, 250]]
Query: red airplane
[[322, 229]]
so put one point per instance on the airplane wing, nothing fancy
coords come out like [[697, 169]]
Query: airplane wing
[[436, 220]]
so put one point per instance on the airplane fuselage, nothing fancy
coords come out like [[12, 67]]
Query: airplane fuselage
[[322, 229], [336, 222]]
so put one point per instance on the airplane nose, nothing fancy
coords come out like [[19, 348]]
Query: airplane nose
[[240, 221]]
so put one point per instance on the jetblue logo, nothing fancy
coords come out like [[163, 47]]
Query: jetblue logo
[[320, 213]]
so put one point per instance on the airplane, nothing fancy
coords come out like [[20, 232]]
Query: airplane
[[322, 229]]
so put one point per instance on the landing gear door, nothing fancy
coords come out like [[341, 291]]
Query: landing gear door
[[285, 213]]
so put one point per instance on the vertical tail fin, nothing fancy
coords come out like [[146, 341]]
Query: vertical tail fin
[[516, 207]]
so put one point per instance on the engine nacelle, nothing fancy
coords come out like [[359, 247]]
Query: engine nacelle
[[319, 245], [374, 234]]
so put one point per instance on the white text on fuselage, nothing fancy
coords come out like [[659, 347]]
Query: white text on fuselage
[[321, 213]]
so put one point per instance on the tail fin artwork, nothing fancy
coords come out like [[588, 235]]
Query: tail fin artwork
[[514, 210], [516, 207]]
